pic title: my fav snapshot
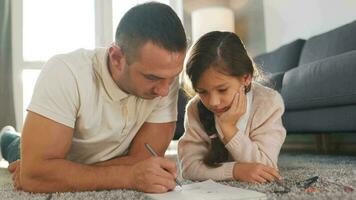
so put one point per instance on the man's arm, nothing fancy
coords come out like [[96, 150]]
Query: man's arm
[[44, 168], [158, 135]]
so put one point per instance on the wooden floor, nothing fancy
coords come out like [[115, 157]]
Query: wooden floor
[[322, 143]]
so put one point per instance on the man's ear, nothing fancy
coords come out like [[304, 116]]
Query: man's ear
[[116, 57]]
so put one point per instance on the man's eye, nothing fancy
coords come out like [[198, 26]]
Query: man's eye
[[151, 78]]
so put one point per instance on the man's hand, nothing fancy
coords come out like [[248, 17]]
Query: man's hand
[[14, 169], [153, 175], [255, 173]]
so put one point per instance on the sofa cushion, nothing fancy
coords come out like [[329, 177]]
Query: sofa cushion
[[331, 43], [327, 82], [325, 120], [281, 59]]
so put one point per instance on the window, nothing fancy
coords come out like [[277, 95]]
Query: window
[[29, 77], [43, 28], [56, 28]]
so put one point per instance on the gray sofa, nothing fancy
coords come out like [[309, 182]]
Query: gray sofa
[[317, 80]]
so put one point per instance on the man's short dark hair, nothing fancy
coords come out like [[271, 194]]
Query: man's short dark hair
[[154, 22]]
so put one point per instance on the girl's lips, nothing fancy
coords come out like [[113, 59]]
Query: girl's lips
[[220, 110]]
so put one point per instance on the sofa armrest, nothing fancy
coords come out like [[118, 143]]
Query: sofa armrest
[[323, 83]]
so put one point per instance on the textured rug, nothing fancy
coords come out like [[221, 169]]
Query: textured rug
[[334, 173]]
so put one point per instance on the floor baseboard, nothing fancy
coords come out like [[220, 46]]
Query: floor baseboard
[[323, 143]]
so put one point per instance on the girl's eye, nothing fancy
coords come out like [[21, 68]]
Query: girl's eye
[[222, 90], [201, 92]]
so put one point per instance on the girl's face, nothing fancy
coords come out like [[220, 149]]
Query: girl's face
[[217, 90]]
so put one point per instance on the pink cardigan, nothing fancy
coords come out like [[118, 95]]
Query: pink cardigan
[[260, 143]]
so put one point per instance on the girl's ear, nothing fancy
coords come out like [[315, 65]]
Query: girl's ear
[[246, 81]]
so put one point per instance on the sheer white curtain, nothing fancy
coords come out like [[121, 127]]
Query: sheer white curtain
[[7, 110]]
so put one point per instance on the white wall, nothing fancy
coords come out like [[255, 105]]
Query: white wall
[[249, 22], [287, 20]]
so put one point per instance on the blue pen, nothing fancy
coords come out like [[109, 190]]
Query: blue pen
[[307, 183], [150, 149]]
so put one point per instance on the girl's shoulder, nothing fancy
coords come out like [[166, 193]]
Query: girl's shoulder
[[192, 104], [266, 96], [259, 89]]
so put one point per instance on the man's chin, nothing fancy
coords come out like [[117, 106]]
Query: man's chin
[[144, 95], [149, 97]]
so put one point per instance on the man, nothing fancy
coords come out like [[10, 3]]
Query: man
[[92, 112]]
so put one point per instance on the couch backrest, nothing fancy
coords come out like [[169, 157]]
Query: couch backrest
[[334, 42], [281, 59]]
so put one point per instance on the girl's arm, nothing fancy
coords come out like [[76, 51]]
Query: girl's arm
[[192, 148], [263, 143]]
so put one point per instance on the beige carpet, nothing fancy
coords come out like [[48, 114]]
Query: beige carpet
[[293, 167], [4, 177]]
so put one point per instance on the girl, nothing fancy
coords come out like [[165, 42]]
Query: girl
[[233, 127]]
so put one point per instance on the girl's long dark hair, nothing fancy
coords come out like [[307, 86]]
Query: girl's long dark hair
[[218, 152], [225, 52]]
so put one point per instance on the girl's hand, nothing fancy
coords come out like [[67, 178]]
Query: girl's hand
[[255, 173], [227, 120]]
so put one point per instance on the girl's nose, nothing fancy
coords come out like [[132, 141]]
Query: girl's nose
[[214, 101]]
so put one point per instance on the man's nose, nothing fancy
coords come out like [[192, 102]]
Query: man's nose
[[163, 88]]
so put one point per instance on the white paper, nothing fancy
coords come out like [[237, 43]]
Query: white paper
[[208, 190]]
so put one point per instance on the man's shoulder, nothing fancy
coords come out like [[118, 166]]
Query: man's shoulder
[[76, 59], [79, 63]]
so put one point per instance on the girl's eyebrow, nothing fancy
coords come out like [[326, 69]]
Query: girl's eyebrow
[[221, 85], [199, 90], [218, 86]]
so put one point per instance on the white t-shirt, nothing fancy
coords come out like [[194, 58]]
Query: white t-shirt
[[77, 90]]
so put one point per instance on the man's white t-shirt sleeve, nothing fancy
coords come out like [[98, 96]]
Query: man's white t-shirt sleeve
[[56, 93], [166, 109]]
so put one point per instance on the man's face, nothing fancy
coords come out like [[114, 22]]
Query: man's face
[[151, 73]]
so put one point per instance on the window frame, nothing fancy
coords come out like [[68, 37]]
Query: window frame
[[103, 36]]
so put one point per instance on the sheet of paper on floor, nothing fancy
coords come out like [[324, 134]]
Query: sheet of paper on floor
[[208, 190]]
